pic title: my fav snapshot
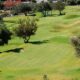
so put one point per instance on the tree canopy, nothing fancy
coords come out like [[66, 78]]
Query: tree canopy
[[26, 28]]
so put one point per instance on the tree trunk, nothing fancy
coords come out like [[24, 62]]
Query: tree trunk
[[26, 40], [60, 13], [25, 13], [51, 12], [44, 13]]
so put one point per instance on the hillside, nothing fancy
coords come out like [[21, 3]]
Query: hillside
[[49, 51]]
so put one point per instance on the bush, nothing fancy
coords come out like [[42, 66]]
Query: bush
[[5, 13], [5, 34], [76, 43], [26, 28]]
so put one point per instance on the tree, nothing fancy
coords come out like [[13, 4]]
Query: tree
[[34, 1], [44, 7], [78, 2], [5, 34], [65, 1], [1, 5], [60, 6], [71, 2], [1, 18], [23, 8], [51, 1], [26, 29]]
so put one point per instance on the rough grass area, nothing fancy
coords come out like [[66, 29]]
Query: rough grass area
[[72, 16], [48, 52]]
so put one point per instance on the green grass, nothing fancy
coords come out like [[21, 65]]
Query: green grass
[[49, 53]]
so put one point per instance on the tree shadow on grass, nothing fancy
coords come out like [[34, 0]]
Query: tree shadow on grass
[[39, 42], [16, 50]]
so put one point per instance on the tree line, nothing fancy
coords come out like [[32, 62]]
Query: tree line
[[73, 2], [67, 2], [46, 8]]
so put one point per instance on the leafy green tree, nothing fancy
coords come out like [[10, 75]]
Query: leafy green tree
[[1, 5], [23, 8], [26, 28], [44, 7], [34, 1], [5, 34], [50, 1], [71, 2], [65, 1], [78, 2], [60, 6]]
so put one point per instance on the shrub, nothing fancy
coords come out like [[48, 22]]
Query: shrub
[[26, 28], [5, 34], [45, 77], [76, 43]]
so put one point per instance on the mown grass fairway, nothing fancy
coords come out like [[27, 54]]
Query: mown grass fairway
[[49, 51]]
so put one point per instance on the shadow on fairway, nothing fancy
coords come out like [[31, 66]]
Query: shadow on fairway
[[16, 50], [39, 42]]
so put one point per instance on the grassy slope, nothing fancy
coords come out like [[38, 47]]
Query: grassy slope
[[51, 52]]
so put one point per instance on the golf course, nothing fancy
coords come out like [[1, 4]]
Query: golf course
[[49, 52]]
